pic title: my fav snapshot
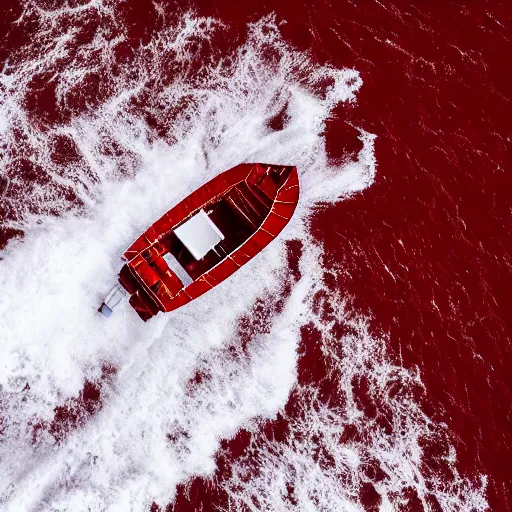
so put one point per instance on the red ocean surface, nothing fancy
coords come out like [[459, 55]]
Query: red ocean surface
[[424, 252]]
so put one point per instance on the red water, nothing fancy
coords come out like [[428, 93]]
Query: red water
[[426, 250]]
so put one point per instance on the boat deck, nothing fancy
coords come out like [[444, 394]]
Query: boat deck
[[249, 213]]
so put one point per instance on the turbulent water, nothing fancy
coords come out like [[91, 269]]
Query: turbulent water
[[272, 391]]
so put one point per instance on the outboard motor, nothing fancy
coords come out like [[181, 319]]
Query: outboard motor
[[116, 295]]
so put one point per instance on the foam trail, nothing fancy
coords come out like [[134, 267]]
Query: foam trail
[[336, 446], [51, 338]]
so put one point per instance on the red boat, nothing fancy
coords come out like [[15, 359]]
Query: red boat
[[207, 237]]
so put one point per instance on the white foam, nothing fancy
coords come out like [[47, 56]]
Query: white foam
[[327, 473], [52, 281]]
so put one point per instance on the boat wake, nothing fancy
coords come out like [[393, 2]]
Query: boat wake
[[114, 414]]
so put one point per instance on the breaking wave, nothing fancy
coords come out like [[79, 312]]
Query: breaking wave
[[83, 177]]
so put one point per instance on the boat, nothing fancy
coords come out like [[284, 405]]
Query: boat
[[205, 238]]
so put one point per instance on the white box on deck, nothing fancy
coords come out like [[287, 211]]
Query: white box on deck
[[199, 234]]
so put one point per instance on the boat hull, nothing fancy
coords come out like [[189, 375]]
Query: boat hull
[[251, 204]]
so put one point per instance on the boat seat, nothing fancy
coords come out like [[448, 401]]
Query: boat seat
[[171, 281], [264, 184], [143, 305], [247, 205]]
